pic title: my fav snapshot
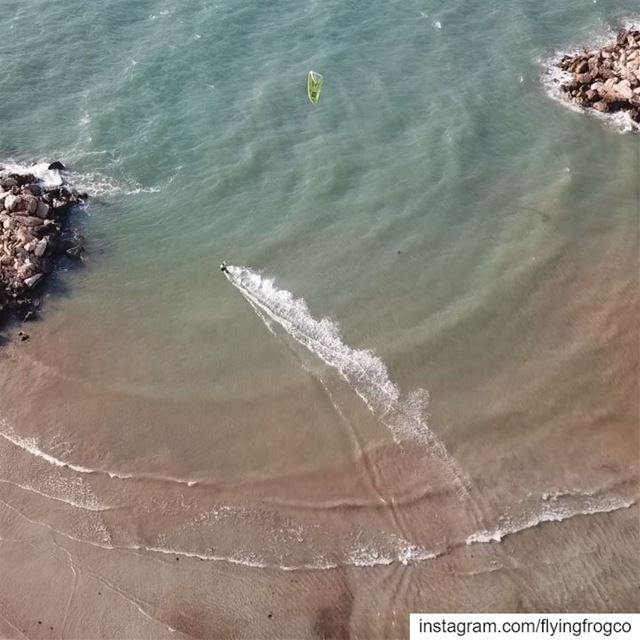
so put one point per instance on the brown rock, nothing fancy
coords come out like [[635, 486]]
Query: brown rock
[[601, 106], [29, 203], [40, 248], [583, 78], [623, 89], [12, 203], [581, 66], [606, 73], [8, 183], [27, 221], [32, 189], [42, 210], [32, 281]]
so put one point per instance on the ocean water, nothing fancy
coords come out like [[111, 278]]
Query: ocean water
[[427, 343]]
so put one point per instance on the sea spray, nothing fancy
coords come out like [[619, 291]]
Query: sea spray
[[365, 372]]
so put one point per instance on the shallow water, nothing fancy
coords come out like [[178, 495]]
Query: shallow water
[[471, 243]]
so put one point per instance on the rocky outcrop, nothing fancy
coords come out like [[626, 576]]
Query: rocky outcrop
[[33, 233], [606, 79]]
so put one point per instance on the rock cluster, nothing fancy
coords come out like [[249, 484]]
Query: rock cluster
[[33, 232], [607, 79]]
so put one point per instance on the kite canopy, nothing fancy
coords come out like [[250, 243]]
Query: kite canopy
[[314, 86]]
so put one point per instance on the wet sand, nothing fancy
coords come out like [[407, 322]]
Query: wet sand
[[588, 563]]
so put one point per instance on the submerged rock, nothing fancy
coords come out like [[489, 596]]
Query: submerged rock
[[606, 79]]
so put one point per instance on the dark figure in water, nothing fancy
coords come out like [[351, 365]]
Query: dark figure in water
[[223, 267]]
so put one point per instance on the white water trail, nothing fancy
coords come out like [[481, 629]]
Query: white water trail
[[365, 372]]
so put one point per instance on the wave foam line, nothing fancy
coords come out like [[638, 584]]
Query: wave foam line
[[365, 372], [69, 501], [552, 511], [30, 445], [355, 555]]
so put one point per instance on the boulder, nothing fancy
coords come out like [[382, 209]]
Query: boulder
[[583, 78], [12, 203], [56, 166], [580, 66], [23, 178], [623, 90], [24, 236], [27, 221], [32, 281], [602, 106], [32, 189], [40, 248], [8, 183], [42, 210], [29, 203]]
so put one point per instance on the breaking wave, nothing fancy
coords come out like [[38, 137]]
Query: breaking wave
[[47, 177], [94, 183], [555, 507], [32, 446]]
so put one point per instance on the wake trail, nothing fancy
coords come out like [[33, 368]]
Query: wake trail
[[363, 371], [360, 450]]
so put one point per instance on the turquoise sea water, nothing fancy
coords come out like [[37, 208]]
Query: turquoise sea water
[[438, 204]]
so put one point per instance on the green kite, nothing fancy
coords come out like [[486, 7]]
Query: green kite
[[314, 86]]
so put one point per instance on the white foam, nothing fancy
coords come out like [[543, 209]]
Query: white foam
[[392, 550], [93, 182], [30, 445], [92, 504], [387, 550], [46, 177], [365, 372], [98, 184], [354, 556], [552, 509]]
